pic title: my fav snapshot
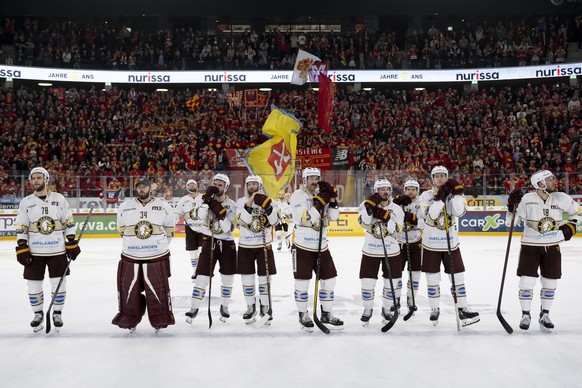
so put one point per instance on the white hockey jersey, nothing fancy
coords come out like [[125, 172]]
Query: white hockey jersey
[[222, 229], [44, 223], [373, 227], [188, 207], [414, 231], [307, 221], [542, 219], [284, 209], [250, 225], [434, 236], [146, 229]]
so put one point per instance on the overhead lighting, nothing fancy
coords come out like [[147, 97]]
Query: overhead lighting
[[315, 89], [368, 89], [45, 84], [161, 90], [212, 89], [265, 89], [419, 89]]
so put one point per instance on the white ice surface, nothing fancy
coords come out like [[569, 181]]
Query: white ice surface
[[91, 352]]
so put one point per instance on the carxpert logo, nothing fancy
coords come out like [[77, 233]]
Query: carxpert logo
[[225, 77], [477, 75], [559, 71], [148, 78], [10, 73], [485, 222]]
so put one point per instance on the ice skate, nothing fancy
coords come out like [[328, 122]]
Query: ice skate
[[193, 277], [288, 240], [366, 315], [388, 314], [468, 317], [279, 245], [265, 317], [411, 307], [190, 315], [434, 316], [131, 330], [224, 314], [37, 322], [545, 322], [305, 322], [57, 320], [249, 315], [331, 322], [525, 320]]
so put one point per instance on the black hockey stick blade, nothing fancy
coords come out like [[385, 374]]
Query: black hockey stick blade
[[320, 325], [504, 323], [409, 314], [209, 319], [391, 322]]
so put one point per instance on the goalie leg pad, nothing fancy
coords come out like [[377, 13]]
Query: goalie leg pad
[[157, 291], [132, 303]]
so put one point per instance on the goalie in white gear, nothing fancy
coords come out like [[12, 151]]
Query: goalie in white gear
[[380, 218], [45, 232], [434, 242], [541, 212], [256, 215], [314, 200], [188, 207]]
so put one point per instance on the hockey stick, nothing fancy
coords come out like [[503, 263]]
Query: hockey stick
[[392, 320], [413, 309], [261, 322], [211, 274], [504, 323], [454, 290], [48, 313], [320, 325]]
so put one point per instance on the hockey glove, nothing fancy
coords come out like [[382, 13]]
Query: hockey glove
[[454, 187], [23, 254], [217, 208], [410, 218], [320, 200], [373, 201], [263, 201], [381, 214], [73, 249], [325, 187], [568, 230], [402, 200], [207, 196], [514, 199]]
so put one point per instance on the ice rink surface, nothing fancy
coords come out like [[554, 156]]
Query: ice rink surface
[[91, 352]]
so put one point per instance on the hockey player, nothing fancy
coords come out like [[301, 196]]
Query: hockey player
[[314, 200], [188, 207], [380, 215], [256, 215], [544, 229], [413, 226], [42, 223], [284, 211], [147, 227], [217, 213], [434, 242]]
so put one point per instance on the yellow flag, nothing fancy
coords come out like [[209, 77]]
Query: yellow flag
[[274, 160]]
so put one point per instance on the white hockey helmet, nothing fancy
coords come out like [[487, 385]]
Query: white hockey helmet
[[412, 183], [540, 177], [189, 182], [256, 179], [224, 178], [39, 170], [382, 182], [439, 170], [310, 171]]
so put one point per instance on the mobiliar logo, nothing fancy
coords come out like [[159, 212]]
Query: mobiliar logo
[[559, 71], [477, 75], [9, 73], [148, 78], [225, 77]]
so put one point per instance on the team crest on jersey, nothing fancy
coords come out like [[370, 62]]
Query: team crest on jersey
[[546, 224], [194, 214], [144, 230], [256, 225], [378, 231], [440, 221], [45, 225]]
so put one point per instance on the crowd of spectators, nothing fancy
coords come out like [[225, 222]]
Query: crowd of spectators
[[502, 132], [36, 42]]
